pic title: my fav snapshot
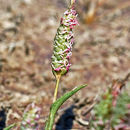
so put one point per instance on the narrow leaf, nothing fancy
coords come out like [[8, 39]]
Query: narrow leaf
[[9, 127], [56, 105]]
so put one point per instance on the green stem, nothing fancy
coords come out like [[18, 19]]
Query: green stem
[[56, 88], [56, 105], [10, 126]]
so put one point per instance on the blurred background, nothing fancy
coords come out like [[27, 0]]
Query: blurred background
[[101, 51]]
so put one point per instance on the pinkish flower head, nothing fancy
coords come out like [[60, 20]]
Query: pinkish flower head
[[31, 116], [63, 41]]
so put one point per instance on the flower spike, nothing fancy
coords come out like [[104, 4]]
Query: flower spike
[[63, 42]]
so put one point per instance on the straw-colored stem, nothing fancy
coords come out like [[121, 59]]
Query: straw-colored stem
[[56, 88]]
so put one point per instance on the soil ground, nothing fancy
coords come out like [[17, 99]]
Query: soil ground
[[101, 53]]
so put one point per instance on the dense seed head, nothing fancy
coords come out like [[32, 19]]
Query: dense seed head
[[63, 42], [30, 117]]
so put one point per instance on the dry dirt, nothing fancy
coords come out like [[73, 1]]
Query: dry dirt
[[101, 53]]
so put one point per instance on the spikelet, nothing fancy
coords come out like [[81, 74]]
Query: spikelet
[[63, 41], [30, 117]]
